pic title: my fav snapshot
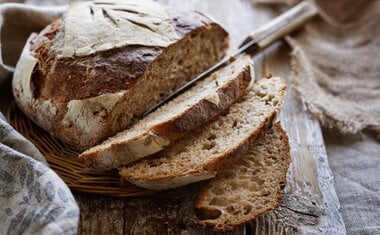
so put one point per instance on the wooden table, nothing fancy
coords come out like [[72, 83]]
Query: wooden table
[[309, 204]]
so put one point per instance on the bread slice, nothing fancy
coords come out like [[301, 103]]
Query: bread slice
[[161, 128], [201, 153], [247, 188]]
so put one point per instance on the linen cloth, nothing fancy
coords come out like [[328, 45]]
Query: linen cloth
[[33, 199], [336, 65], [355, 164]]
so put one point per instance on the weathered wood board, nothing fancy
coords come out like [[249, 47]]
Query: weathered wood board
[[309, 204]]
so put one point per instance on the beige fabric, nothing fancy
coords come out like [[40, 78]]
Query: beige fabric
[[336, 65], [14, 33]]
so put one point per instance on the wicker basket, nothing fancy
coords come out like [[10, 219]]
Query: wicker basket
[[63, 160]]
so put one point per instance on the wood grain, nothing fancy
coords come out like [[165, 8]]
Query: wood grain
[[309, 204]]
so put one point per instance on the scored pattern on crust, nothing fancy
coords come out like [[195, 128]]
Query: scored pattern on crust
[[117, 23]]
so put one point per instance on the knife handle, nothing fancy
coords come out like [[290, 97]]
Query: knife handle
[[280, 26]]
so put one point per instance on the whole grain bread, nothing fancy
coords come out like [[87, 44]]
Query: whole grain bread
[[201, 153], [83, 93], [205, 100], [249, 187]]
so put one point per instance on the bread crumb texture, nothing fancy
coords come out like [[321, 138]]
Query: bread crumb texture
[[206, 149], [200, 103], [247, 188]]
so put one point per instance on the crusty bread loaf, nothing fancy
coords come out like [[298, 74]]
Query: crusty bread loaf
[[205, 100], [247, 188], [201, 153], [92, 73]]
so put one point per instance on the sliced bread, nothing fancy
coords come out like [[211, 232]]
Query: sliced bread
[[201, 153], [205, 100], [247, 188]]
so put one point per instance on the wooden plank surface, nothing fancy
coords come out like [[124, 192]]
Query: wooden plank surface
[[309, 204]]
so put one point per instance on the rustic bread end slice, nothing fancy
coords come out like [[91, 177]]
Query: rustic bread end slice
[[207, 99], [247, 188], [201, 153]]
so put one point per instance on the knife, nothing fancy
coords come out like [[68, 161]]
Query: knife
[[270, 32]]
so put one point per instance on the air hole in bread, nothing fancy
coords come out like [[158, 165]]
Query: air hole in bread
[[230, 209], [265, 193], [207, 213], [247, 208], [208, 145], [211, 137]]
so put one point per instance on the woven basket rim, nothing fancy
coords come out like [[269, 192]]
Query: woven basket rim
[[62, 159]]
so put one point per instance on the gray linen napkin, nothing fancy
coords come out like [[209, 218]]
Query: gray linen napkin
[[33, 199]]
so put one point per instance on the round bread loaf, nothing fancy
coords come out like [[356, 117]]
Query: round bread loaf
[[95, 71]]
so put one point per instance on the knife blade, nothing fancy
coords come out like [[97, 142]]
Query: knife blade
[[270, 32]]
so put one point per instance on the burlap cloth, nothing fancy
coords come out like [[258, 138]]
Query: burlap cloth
[[336, 70]]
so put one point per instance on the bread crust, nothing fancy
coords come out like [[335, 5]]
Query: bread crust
[[77, 88], [167, 132]]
